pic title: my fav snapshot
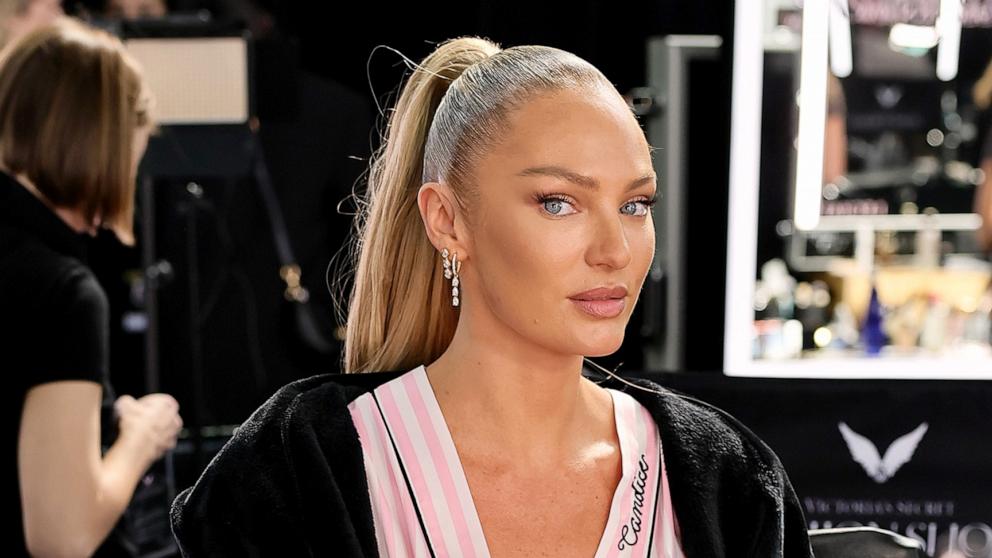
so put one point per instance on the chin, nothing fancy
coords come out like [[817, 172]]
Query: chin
[[601, 353], [603, 344]]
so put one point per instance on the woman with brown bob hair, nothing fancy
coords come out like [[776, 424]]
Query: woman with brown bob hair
[[74, 122], [505, 235]]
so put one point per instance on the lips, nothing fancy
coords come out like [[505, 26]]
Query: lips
[[609, 308], [601, 293], [602, 302]]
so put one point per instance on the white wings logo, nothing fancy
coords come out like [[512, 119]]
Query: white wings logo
[[866, 454]]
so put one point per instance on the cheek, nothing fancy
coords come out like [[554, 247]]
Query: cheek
[[644, 238], [523, 262], [641, 239], [518, 253]]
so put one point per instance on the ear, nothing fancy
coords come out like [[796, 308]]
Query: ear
[[442, 218]]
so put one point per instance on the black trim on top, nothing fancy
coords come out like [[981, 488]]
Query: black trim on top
[[657, 497]]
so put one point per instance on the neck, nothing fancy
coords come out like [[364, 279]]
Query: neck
[[527, 401]]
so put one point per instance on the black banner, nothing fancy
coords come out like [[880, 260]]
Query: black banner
[[914, 457]]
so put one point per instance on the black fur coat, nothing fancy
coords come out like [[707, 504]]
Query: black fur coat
[[291, 482]]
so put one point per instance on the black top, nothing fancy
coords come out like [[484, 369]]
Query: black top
[[53, 322], [291, 482]]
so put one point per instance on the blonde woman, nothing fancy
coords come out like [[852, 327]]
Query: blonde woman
[[507, 234], [73, 124]]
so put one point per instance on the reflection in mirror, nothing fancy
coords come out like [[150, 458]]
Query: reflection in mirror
[[875, 180]]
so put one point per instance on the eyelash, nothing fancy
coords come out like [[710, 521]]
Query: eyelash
[[544, 198]]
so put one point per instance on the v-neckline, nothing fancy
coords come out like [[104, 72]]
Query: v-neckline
[[625, 440]]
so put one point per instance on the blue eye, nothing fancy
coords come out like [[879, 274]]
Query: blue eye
[[634, 208], [640, 207], [555, 205]]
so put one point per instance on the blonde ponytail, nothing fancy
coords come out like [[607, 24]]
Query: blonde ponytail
[[452, 107]]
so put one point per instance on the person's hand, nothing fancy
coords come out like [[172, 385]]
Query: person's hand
[[150, 424], [136, 9]]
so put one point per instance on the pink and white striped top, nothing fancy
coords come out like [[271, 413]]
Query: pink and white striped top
[[421, 503]]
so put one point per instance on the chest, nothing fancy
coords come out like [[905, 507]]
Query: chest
[[560, 513], [431, 497]]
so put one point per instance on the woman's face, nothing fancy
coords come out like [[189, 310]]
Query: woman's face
[[563, 208]]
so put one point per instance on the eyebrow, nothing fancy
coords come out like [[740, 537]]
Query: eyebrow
[[580, 179]]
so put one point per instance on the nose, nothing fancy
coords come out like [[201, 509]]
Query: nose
[[608, 246]]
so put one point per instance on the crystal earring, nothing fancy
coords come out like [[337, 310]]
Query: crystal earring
[[451, 269]]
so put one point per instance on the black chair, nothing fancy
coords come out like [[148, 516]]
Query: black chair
[[863, 542]]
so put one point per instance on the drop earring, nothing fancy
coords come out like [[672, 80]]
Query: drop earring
[[451, 269]]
